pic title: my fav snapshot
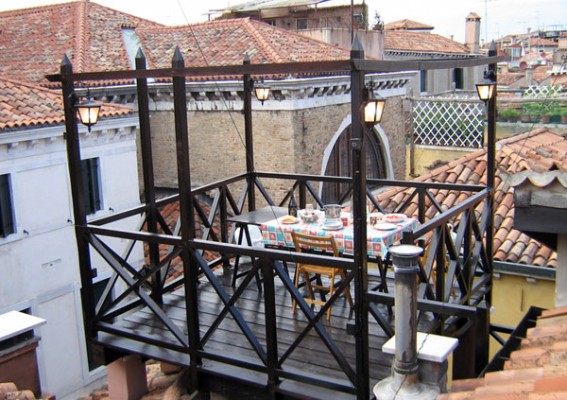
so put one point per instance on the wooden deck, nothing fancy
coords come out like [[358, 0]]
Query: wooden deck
[[311, 357]]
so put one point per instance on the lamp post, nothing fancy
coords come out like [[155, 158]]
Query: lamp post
[[487, 92], [262, 92]]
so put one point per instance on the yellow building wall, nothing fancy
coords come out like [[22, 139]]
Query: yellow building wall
[[426, 157], [512, 296]]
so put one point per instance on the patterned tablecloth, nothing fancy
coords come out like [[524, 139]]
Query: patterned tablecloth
[[276, 233]]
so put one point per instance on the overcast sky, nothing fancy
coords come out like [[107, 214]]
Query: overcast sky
[[447, 16]]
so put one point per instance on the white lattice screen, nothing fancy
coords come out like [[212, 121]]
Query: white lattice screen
[[543, 91], [456, 122]]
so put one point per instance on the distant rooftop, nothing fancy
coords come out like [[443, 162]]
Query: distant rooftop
[[406, 24]]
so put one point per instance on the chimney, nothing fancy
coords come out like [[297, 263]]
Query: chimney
[[472, 32], [419, 372]]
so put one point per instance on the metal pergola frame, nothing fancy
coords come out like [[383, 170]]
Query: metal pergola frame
[[356, 67]]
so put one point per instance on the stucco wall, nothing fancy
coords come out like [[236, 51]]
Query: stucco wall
[[39, 260]]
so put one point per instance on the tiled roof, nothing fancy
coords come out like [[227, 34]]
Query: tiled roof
[[541, 42], [225, 42], [34, 40], [536, 371], [406, 24], [404, 40], [539, 150], [509, 78], [541, 72], [23, 106]]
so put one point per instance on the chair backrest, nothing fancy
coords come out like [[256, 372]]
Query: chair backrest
[[319, 243]]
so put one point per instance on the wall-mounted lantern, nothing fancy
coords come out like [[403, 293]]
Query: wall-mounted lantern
[[372, 108], [485, 89], [262, 91], [88, 111]]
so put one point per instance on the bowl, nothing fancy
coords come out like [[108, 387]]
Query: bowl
[[308, 216]]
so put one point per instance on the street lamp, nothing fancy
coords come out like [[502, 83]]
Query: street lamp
[[88, 111], [485, 89], [262, 91], [372, 108]]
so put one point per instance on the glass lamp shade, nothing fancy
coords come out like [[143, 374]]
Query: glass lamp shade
[[372, 111], [88, 112], [485, 90], [262, 92]]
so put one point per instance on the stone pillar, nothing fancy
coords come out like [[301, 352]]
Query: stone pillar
[[404, 383], [127, 378]]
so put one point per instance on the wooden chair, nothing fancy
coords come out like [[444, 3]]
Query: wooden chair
[[321, 244]]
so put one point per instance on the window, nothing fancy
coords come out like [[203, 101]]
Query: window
[[458, 78], [7, 220], [270, 22], [91, 185], [302, 23], [423, 81]]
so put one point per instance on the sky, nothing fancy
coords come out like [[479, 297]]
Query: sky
[[498, 17]]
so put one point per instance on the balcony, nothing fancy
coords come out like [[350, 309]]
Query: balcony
[[245, 337]]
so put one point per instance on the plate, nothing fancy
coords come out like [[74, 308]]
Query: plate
[[288, 221], [332, 225], [395, 217], [384, 226]]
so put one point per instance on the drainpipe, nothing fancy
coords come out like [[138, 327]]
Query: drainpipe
[[404, 382]]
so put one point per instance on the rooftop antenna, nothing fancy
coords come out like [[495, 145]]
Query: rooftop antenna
[[486, 20]]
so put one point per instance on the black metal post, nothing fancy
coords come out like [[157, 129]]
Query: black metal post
[[187, 215], [148, 172], [491, 162], [359, 218], [271, 325], [78, 197], [249, 139]]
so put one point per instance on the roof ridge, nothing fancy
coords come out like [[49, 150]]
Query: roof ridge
[[30, 10], [81, 32], [265, 47]]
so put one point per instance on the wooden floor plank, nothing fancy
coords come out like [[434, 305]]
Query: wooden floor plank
[[310, 357]]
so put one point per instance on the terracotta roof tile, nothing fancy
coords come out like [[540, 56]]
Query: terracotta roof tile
[[406, 24], [404, 40], [34, 40], [538, 370], [225, 42], [23, 105], [538, 150]]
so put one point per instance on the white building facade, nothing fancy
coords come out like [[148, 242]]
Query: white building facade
[[38, 253]]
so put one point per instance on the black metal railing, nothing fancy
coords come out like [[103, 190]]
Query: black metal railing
[[454, 275]]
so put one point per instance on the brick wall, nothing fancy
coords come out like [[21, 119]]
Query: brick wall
[[284, 141], [291, 130]]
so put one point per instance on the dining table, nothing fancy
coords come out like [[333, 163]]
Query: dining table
[[388, 231]]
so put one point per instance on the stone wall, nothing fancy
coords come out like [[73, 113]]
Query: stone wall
[[290, 136]]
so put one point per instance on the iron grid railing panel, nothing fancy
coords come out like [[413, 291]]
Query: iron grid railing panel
[[454, 122]]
